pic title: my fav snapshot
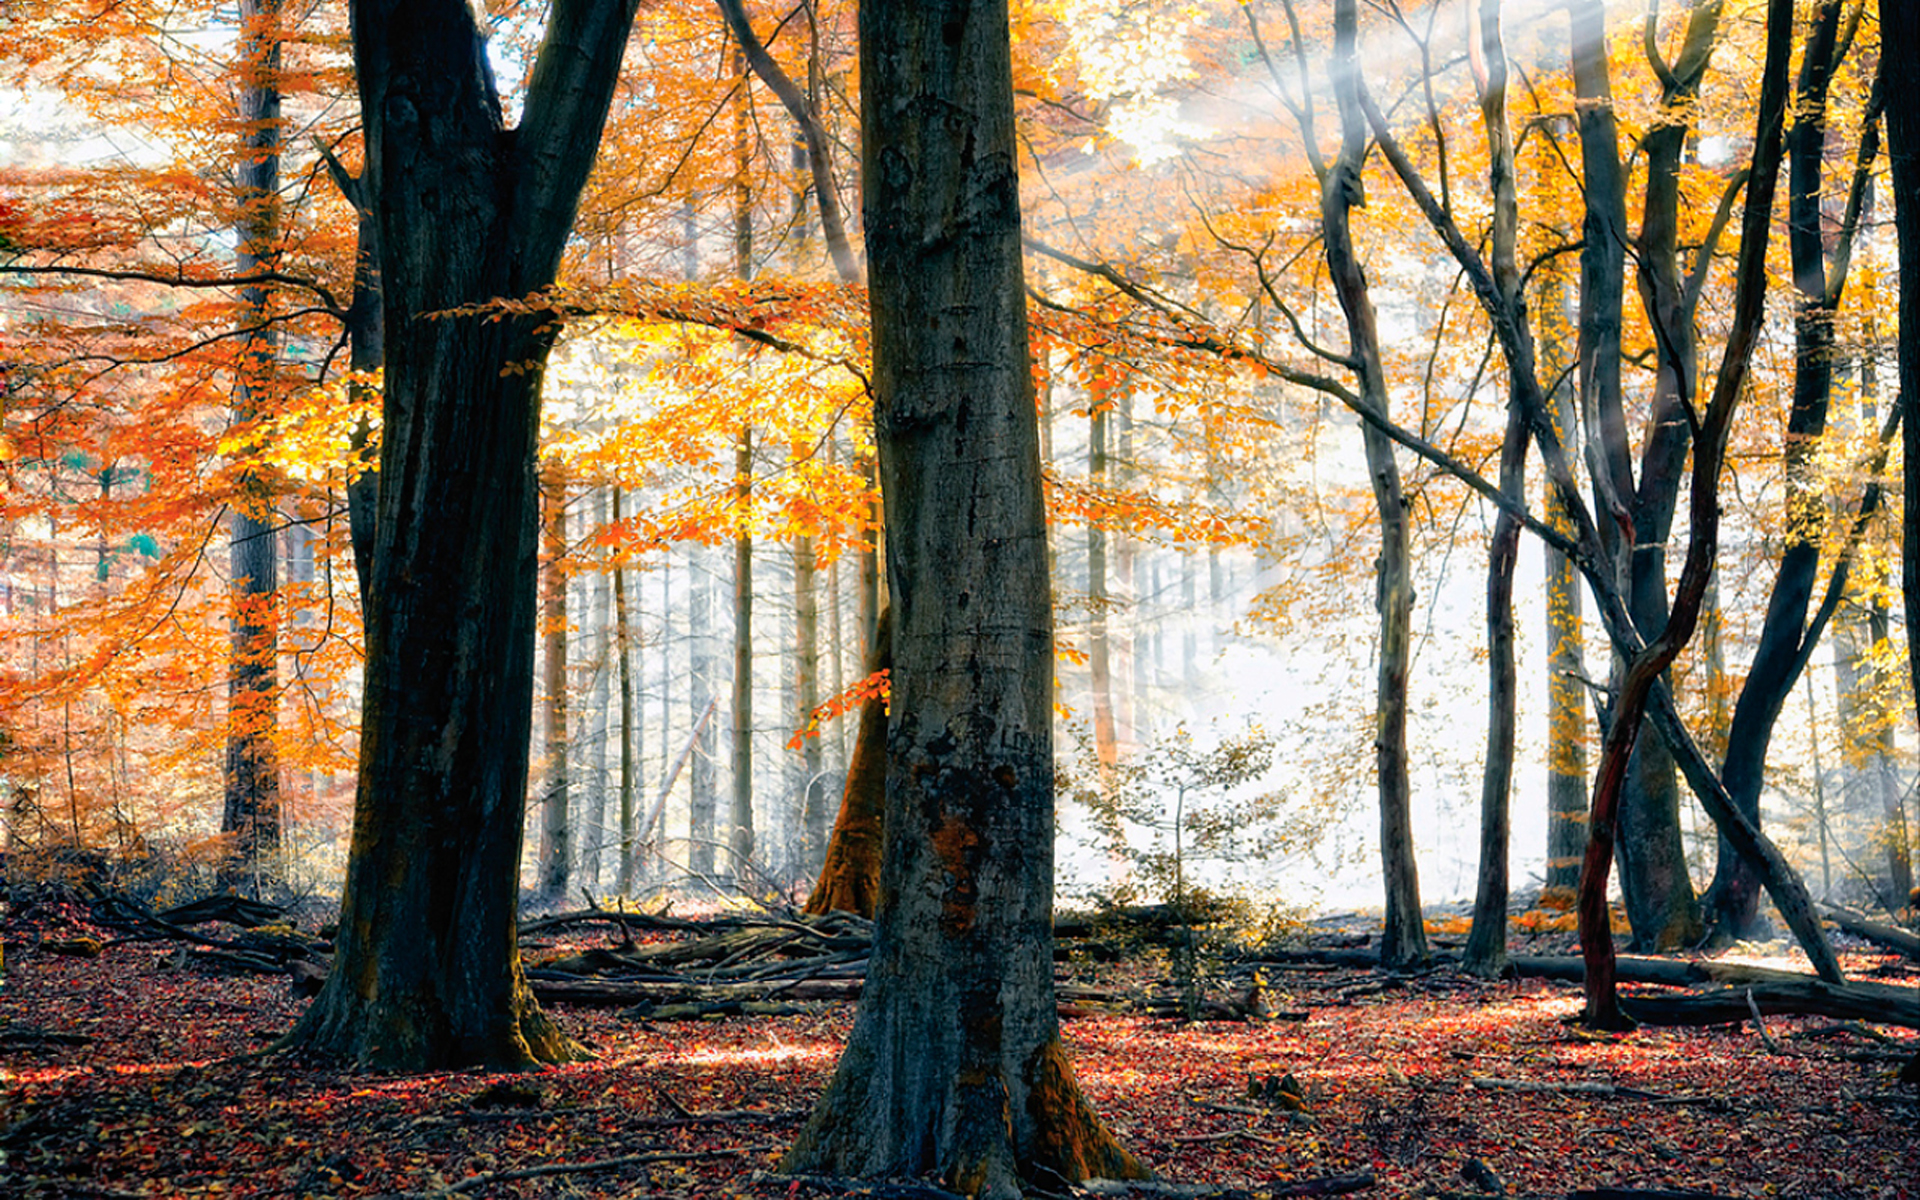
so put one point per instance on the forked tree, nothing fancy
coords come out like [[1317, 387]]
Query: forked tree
[[467, 211], [954, 1066]]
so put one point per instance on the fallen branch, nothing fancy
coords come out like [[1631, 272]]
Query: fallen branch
[[473, 1182], [1883, 1004], [1580, 1087], [1877, 932]]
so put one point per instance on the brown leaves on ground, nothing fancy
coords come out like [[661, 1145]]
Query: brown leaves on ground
[[1439, 1085]]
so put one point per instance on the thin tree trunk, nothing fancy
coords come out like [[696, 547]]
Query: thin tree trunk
[[1900, 55], [556, 830], [806, 680], [1403, 938], [1099, 653], [740, 841], [252, 812], [630, 720], [1567, 707]]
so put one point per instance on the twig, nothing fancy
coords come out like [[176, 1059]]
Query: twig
[[472, 1182], [1759, 1023], [1581, 1087]]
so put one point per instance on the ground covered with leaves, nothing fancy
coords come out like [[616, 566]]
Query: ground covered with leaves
[[134, 1072]]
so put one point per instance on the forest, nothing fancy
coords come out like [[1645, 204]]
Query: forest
[[982, 598]]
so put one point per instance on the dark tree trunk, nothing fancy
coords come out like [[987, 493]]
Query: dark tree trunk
[[1646, 667], [252, 811], [1900, 52], [427, 972], [1486, 950], [954, 1066], [1403, 941], [1777, 659]]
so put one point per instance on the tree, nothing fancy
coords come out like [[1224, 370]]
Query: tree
[[252, 812], [954, 1066], [426, 971]]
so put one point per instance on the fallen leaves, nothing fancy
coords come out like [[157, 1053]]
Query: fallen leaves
[[1396, 1091]]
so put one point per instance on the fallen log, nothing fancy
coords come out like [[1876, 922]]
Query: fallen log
[[1882, 1003], [1877, 932]]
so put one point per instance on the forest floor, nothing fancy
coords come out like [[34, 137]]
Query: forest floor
[[132, 1074]]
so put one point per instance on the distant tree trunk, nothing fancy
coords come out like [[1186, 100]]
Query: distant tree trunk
[[1099, 653], [1567, 707], [806, 687], [630, 721], [426, 972], [556, 830], [252, 812], [701, 798], [850, 878], [954, 1066], [1403, 940], [741, 836], [600, 722]]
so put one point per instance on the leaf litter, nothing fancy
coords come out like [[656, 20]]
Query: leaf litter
[[134, 1072]]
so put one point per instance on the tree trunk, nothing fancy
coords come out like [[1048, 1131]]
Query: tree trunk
[[1486, 949], [629, 719], [850, 879], [1567, 708], [1900, 55], [1776, 666], [556, 830], [1099, 652], [954, 1066], [741, 833], [1403, 940], [252, 811], [426, 972], [806, 686]]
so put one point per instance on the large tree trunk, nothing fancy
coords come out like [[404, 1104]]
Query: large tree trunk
[[427, 972], [1900, 50], [954, 1066], [1403, 941], [252, 810]]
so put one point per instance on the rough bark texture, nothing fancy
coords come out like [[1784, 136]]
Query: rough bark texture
[[1403, 940], [252, 810], [954, 1066], [1567, 708], [427, 973]]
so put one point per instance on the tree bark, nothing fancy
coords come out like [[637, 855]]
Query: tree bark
[[740, 836], [252, 812], [556, 832], [630, 723], [427, 972], [1735, 894], [954, 1066], [806, 686], [1403, 941], [1900, 52]]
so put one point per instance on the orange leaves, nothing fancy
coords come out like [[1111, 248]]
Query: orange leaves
[[876, 686]]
